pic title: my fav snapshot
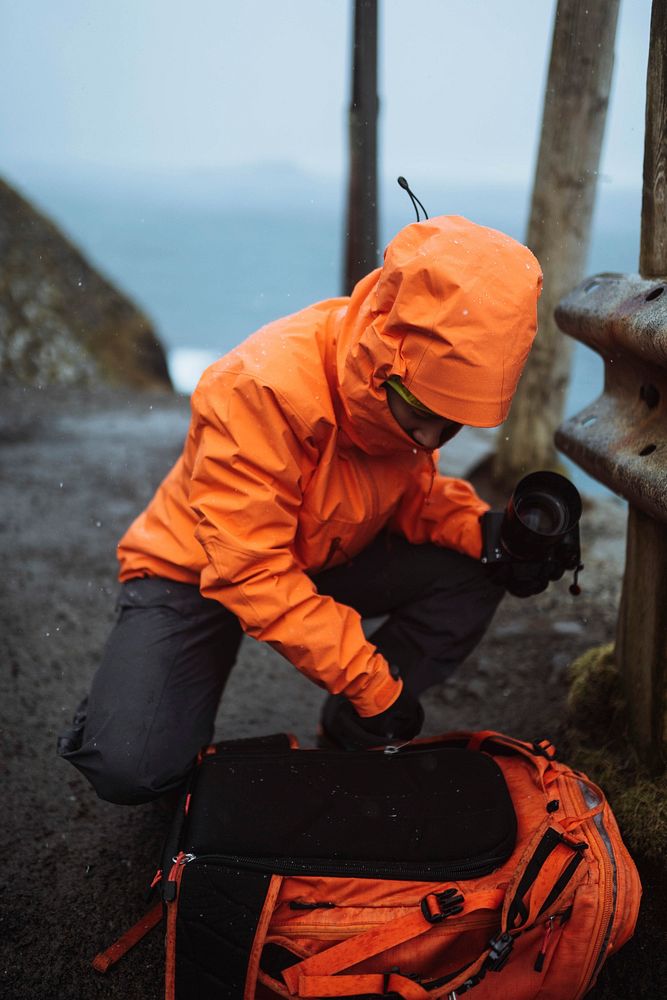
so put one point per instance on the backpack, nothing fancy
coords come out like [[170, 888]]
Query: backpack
[[472, 861]]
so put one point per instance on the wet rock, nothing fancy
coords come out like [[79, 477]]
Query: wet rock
[[511, 629], [568, 628], [477, 688], [61, 323]]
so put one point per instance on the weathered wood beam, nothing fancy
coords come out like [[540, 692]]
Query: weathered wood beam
[[641, 639]]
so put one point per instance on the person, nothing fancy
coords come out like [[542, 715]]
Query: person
[[306, 499]]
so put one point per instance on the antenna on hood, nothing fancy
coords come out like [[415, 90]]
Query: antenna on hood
[[413, 197]]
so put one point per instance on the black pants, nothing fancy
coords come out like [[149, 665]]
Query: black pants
[[154, 698]]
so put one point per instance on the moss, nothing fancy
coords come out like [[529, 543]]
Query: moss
[[599, 745], [595, 701]]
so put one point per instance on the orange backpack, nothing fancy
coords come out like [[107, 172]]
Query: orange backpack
[[473, 861]]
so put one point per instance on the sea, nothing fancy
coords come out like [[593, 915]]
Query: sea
[[210, 257]]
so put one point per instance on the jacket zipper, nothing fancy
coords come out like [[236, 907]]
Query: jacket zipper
[[433, 471], [358, 869]]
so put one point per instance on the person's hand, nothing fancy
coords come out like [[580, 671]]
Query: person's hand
[[523, 579], [345, 729]]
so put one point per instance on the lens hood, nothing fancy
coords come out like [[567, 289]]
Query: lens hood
[[544, 508]]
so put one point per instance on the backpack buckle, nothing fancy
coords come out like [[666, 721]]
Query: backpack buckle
[[544, 748], [501, 949], [435, 906], [389, 994]]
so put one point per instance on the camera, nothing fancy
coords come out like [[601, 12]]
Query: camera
[[537, 534]]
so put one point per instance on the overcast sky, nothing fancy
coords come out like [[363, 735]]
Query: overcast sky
[[147, 85]]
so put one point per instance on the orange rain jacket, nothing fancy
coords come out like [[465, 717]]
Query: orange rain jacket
[[293, 461]]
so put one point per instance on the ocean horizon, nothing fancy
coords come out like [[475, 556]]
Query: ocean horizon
[[211, 258]]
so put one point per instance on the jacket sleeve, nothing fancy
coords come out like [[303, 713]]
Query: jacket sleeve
[[441, 510], [246, 489]]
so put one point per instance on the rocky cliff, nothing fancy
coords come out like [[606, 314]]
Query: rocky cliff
[[60, 321]]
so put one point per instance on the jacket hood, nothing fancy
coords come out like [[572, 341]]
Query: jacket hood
[[453, 313]]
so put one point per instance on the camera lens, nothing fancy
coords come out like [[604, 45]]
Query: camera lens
[[542, 513], [542, 510]]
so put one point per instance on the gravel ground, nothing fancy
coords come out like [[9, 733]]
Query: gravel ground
[[75, 469]]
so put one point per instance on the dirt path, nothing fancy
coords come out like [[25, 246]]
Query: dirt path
[[74, 470]]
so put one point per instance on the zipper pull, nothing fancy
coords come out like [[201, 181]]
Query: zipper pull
[[333, 549], [169, 892], [393, 748], [156, 878], [542, 953]]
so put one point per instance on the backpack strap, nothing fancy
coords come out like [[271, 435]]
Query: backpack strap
[[549, 855], [260, 936], [375, 985], [546, 868], [315, 973], [539, 754], [105, 959], [596, 800], [488, 740]]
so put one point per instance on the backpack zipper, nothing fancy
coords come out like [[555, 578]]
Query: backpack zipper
[[454, 925], [413, 748], [358, 869], [548, 937], [170, 896], [595, 829], [417, 871], [610, 894]]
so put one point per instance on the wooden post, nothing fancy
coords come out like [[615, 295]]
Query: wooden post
[[362, 212], [641, 638], [575, 107]]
